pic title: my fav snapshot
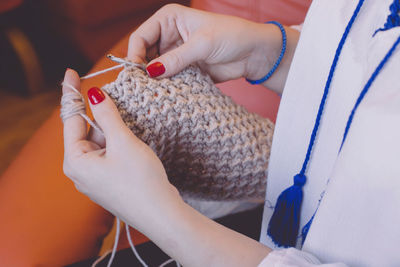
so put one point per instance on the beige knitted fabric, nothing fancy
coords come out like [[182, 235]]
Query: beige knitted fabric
[[211, 147]]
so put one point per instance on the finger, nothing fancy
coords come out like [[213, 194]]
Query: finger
[[149, 33], [106, 114], [96, 137], [152, 53], [74, 127], [177, 59], [144, 37]]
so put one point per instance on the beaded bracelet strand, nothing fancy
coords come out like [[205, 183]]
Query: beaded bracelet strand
[[278, 62]]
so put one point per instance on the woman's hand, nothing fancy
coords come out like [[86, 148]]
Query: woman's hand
[[122, 174], [223, 46], [117, 171]]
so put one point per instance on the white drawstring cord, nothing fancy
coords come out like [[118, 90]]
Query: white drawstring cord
[[114, 250], [128, 235]]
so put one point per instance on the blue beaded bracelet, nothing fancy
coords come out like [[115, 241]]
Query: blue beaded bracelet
[[276, 65]]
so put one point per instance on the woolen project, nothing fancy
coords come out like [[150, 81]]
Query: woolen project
[[211, 148]]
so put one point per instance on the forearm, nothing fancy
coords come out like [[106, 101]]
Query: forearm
[[266, 53], [195, 240]]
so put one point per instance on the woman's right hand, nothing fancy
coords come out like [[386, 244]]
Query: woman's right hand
[[225, 47]]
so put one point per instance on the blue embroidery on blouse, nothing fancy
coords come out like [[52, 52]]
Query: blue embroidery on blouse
[[393, 20]]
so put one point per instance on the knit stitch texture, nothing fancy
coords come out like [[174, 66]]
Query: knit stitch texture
[[211, 148]]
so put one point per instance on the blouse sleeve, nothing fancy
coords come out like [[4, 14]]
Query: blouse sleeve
[[297, 27], [293, 257]]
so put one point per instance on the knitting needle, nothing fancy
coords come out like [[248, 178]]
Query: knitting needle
[[122, 63], [118, 59]]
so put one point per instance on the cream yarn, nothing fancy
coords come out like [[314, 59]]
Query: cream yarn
[[211, 147]]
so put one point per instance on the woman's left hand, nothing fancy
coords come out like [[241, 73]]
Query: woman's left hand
[[117, 171]]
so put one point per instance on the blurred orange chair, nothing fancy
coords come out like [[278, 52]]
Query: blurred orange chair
[[45, 221]]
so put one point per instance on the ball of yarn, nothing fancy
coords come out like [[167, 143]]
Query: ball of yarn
[[211, 148]]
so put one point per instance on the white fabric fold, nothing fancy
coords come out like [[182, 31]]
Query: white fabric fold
[[292, 257]]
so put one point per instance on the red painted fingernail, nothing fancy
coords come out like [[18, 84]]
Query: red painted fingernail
[[155, 69], [95, 95]]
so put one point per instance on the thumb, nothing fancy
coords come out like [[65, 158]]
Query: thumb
[[175, 60], [106, 113]]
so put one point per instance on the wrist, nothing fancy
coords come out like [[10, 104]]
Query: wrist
[[266, 51], [151, 213], [190, 237]]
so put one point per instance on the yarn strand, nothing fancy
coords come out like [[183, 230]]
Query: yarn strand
[[128, 235], [116, 240], [74, 104], [122, 63], [91, 75]]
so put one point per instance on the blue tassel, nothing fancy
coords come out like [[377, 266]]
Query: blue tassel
[[284, 225]]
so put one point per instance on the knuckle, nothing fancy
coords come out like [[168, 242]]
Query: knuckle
[[81, 188], [205, 37], [170, 7], [69, 167], [168, 10], [122, 139], [131, 37], [135, 40], [174, 59]]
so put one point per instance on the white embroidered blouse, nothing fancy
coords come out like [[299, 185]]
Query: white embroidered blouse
[[358, 221]]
